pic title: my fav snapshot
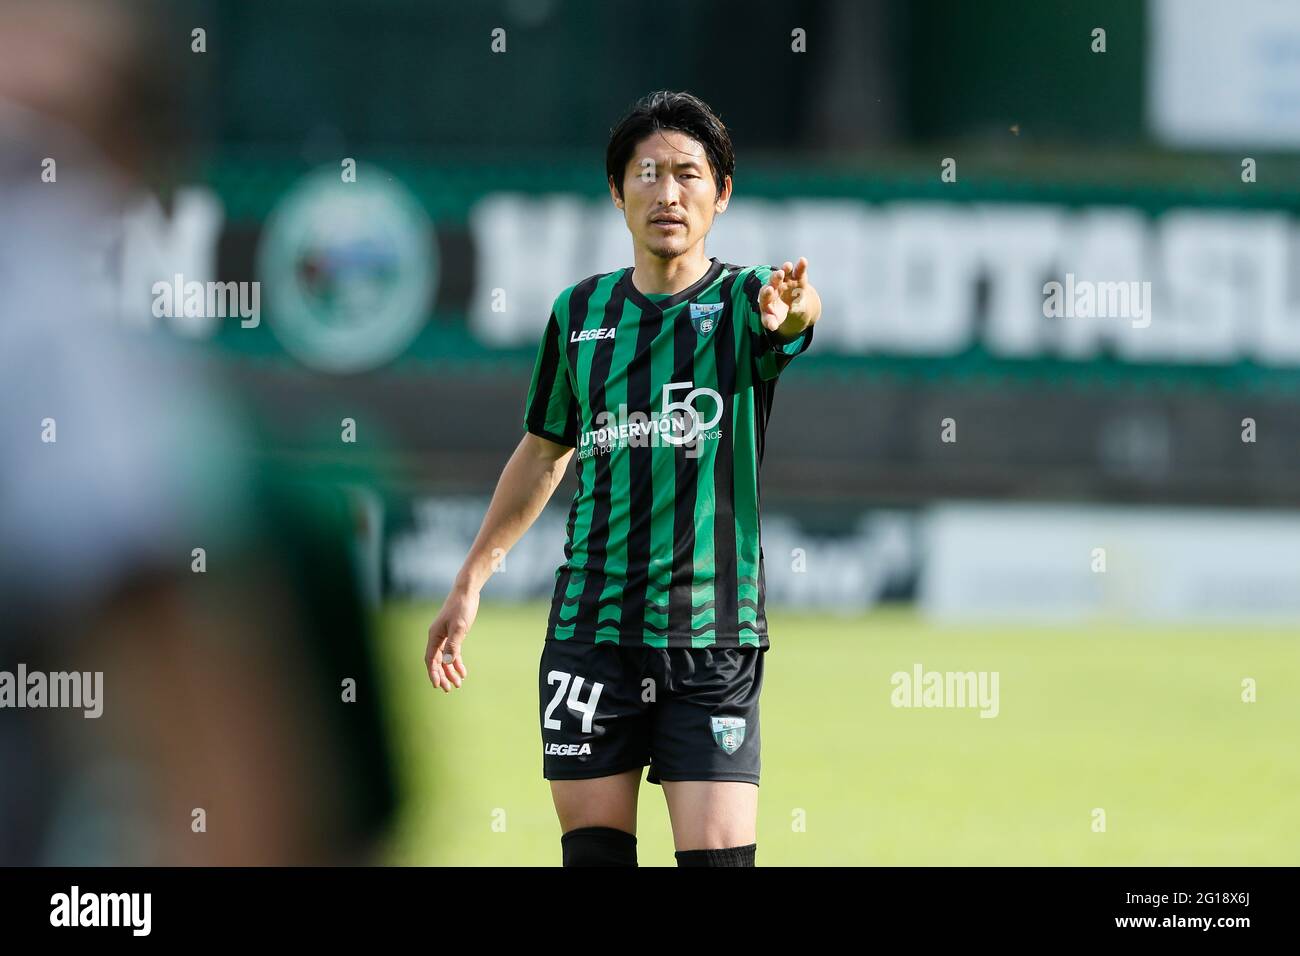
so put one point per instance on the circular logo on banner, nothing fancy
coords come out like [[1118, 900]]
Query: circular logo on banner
[[349, 270]]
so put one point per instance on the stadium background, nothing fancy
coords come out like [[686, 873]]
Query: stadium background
[[408, 303]]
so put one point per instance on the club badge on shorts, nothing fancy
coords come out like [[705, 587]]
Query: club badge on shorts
[[729, 732]]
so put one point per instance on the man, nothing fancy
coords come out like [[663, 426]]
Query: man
[[217, 690], [662, 376]]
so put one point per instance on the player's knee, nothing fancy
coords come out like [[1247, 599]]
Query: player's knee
[[725, 856], [598, 846]]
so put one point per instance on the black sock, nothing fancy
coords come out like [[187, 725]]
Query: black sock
[[727, 856], [598, 846]]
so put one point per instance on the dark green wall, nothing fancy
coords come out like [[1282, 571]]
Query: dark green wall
[[976, 68]]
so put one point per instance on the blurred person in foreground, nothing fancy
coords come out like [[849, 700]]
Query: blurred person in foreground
[[662, 376], [218, 734]]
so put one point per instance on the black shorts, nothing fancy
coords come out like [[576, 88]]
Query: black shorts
[[689, 713]]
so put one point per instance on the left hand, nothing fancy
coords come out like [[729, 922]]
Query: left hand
[[784, 300]]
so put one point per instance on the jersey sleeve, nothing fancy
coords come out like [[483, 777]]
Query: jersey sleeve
[[771, 356], [551, 411]]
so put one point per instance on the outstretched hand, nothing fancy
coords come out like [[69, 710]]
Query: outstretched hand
[[784, 303]]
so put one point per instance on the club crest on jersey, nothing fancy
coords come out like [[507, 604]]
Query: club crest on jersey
[[704, 316], [729, 732]]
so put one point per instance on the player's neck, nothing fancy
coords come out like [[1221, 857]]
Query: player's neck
[[653, 276]]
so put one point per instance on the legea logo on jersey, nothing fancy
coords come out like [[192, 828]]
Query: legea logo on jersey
[[704, 316], [676, 423], [587, 335]]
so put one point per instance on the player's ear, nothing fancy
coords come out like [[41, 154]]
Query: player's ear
[[724, 195], [613, 192]]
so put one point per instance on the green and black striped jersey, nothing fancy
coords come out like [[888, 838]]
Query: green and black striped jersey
[[666, 399]]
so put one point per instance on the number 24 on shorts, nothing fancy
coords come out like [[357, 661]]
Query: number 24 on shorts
[[574, 685]]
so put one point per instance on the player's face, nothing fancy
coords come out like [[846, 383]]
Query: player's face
[[669, 194]]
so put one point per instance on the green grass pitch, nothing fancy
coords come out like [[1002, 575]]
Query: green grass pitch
[[1145, 723]]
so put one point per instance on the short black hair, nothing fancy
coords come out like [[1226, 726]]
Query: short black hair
[[664, 110]]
